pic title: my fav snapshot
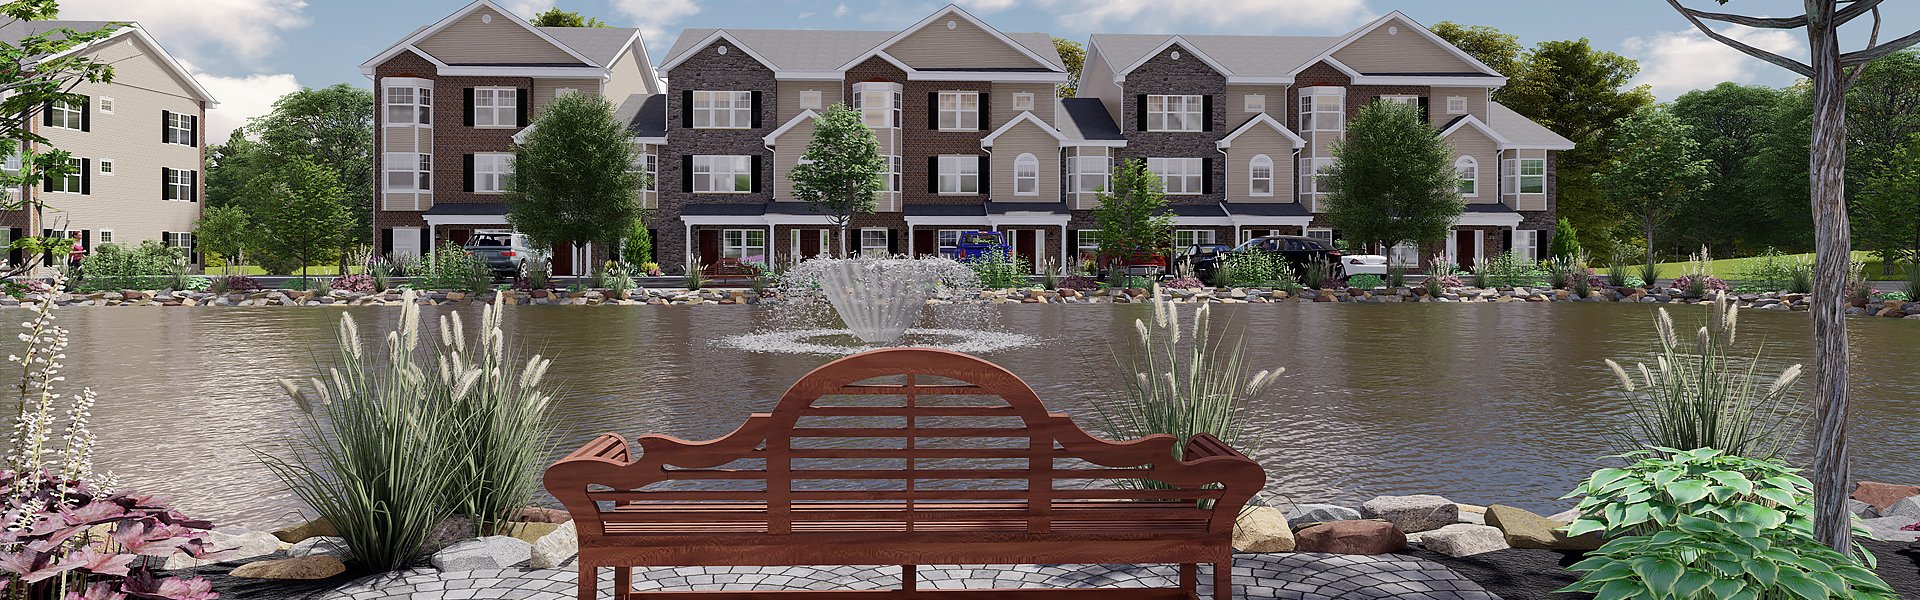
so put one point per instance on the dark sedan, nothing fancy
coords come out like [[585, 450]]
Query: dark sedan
[[1298, 250]]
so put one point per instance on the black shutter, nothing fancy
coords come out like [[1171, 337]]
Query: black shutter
[[467, 113], [86, 113], [686, 109], [467, 160], [46, 257], [426, 246], [756, 120], [86, 239], [986, 114], [933, 110], [686, 173], [933, 174], [386, 241], [893, 241], [753, 173], [46, 115], [523, 101], [1426, 109], [1506, 240], [46, 183], [86, 176], [1140, 113], [193, 185], [1206, 112], [13, 253], [166, 126], [1206, 175], [193, 249], [985, 169], [193, 130], [166, 184]]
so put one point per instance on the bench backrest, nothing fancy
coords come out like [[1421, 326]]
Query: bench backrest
[[930, 435]]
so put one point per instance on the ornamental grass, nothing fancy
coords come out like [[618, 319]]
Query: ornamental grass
[[1183, 381]]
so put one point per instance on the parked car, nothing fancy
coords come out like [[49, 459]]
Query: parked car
[[1364, 264], [974, 244], [1298, 250], [506, 254], [1201, 258]]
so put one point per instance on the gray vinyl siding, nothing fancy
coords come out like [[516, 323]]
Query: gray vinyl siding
[[629, 77], [1469, 141], [1025, 138], [787, 150], [545, 89], [1406, 52], [1476, 104], [402, 139], [1001, 104], [473, 41], [1235, 102], [1096, 81], [1260, 140], [788, 97], [966, 46]]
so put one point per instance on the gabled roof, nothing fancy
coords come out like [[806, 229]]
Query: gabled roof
[[1086, 119], [1522, 132], [677, 56], [15, 31], [1246, 57], [1256, 121], [804, 116], [1465, 121], [1183, 43], [816, 52], [1350, 38], [602, 44], [645, 116], [1042, 58], [1027, 117], [428, 31]]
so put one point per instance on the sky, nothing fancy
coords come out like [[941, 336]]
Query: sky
[[249, 52]]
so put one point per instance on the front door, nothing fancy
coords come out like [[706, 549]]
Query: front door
[[808, 243], [709, 248], [1463, 249], [561, 259], [1026, 249]]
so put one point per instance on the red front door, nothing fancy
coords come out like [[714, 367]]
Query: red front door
[[1026, 249], [1463, 248], [562, 259]]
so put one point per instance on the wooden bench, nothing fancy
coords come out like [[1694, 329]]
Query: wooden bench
[[906, 456], [730, 269]]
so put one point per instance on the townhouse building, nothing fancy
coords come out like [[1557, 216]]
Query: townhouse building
[[1241, 128], [137, 145], [453, 96]]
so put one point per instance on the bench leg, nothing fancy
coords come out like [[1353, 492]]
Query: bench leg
[[589, 583], [909, 578], [622, 582], [1223, 579], [1189, 578]]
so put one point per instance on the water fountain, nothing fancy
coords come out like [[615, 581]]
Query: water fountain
[[880, 301]]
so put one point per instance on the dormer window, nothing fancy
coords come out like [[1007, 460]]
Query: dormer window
[[1023, 101]]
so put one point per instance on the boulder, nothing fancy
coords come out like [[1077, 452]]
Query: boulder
[[491, 552], [1523, 529], [1303, 515], [319, 546], [1882, 495], [529, 532], [1351, 537], [1891, 529], [1463, 539], [1908, 507], [310, 567], [227, 546], [1262, 529], [298, 533], [1421, 512], [556, 547], [1861, 509], [455, 529]]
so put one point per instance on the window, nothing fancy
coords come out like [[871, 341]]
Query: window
[[1087, 244], [1026, 175], [1175, 113], [648, 165], [106, 106], [409, 106], [1402, 100], [558, 92], [732, 174], [1533, 176], [746, 245], [409, 172], [495, 107], [1526, 244], [959, 174], [1405, 254], [1322, 234], [878, 103], [892, 180], [947, 239], [179, 129], [959, 111], [1313, 177], [492, 172], [722, 110], [12, 163], [1180, 176], [73, 182], [179, 239], [810, 99], [874, 242], [1023, 101], [1467, 171], [67, 115], [106, 236], [1260, 176], [1190, 237], [1323, 109], [1456, 105], [106, 166], [1256, 103], [1089, 174], [179, 184]]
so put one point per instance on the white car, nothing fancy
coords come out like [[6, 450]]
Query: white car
[[1364, 264]]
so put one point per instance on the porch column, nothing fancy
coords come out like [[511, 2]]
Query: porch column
[[686, 244], [910, 246], [1065, 258]]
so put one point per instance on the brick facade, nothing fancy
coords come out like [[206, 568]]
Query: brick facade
[[709, 70], [1164, 74]]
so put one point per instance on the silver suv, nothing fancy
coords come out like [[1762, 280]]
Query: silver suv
[[506, 254]]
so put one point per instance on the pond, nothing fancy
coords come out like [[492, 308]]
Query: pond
[[1482, 403]]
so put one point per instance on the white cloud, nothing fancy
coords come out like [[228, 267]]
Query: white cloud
[[841, 10], [1675, 62], [1232, 15], [241, 98], [987, 6], [526, 8], [240, 31], [652, 17]]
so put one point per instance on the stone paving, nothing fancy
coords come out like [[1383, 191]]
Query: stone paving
[[1301, 576]]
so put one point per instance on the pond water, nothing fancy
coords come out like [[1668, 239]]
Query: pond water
[[1483, 403]]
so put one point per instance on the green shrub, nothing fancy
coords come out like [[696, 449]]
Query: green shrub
[[479, 277], [113, 266], [1913, 281], [1649, 273], [1507, 270], [450, 268], [1771, 271], [695, 279], [998, 270], [1365, 282], [1702, 523], [1263, 269], [380, 272], [1697, 395], [1316, 273]]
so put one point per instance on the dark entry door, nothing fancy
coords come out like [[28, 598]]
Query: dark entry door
[[809, 243], [1026, 249], [1463, 249], [562, 259], [709, 248]]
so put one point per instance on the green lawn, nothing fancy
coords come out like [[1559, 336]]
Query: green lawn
[[1732, 268]]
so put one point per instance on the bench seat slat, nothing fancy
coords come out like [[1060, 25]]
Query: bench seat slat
[[895, 389], [893, 432], [915, 411], [919, 494]]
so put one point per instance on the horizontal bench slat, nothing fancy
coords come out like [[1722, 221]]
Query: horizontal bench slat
[[901, 432], [894, 389], [913, 411], [911, 453]]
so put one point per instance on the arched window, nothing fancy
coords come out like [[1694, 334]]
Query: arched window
[[1026, 175], [1467, 171], [1260, 176]]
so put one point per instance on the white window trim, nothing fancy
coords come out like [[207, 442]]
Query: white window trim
[[940, 244], [418, 164], [1190, 173], [743, 250], [711, 164], [105, 104], [1462, 164], [1192, 107], [66, 112], [71, 183], [1256, 103], [495, 165], [891, 182], [894, 111], [1020, 164], [735, 104], [420, 104], [558, 92], [106, 236], [1456, 105], [649, 165], [1529, 248], [958, 110], [179, 129], [954, 169], [882, 248], [1407, 99], [106, 166], [1323, 230], [1516, 180], [1195, 237], [1023, 101], [510, 108], [1310, 113], [810, 99], [180, 185], [1080, 166], [1253, 176]]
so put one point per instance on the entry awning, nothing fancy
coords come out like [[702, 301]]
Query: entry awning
[[1268, 214], [1200, 215], [1489, 215], [1027, 213], [466, 213], [755, 213]]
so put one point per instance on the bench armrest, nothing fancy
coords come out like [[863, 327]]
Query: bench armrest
[[607, 447], [1204, 445]]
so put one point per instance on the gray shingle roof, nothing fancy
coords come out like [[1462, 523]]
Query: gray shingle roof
[[1244, 55], [1085, 119], [824, 49], [1520, 130], [467, 208], [645, 116], [601, 44]]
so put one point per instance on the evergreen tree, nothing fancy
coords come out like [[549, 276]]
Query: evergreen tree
[[1392, 180], [572, 179], [840, 174], [1566, 242], [1133, 217]]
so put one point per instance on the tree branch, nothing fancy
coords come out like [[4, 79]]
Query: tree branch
[[1868, 55], [1854, 10], [1873, 40], [1782, 61], [1756, 22]]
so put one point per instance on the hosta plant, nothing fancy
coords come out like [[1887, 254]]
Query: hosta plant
[[1702, 523]]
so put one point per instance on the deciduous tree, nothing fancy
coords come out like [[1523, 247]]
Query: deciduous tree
[[573, 181], [840, 174], [1729, 123], [1497, 49], [1132, 214], [331, 127], [224, 230], [1392, 180], [303, 215], [1075, 57], [1888, 208], [1655, 170], [554, 17]]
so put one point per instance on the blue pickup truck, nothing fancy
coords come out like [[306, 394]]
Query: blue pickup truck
[[974, 244]]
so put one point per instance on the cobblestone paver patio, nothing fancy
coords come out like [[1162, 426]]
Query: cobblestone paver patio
[[1302, 576]]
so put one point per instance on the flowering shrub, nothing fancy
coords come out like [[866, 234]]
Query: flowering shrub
[[1078, 283], [242, 283], [357, 283], [1366, 282], [1699, 284], [1185, 283], [1452, 281]]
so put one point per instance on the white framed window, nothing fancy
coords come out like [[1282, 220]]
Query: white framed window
[[1321, 233], [409, 172], [1026, 175], [496, 107], [106, 236], [647, 165], [722, 174], [1401, 100], [179, 129], [1175, 113], [959, 111], [1087, 244], [810, 99], [1089, 174], [1023, 101], [947, 239], [1526, 245], [492, 172], [1323, 109], [892, 180], [179, 184], [1314, 175], [409, 105], [1533, 176], [1456, 105], [1190, 237], [959, 174], [746, 245], [72, 182], [874, 242], [1405, 254], [878, 103], [67, 115], [1260, 176], [722, 110], [179, 239], [106, 105], [1180, 176], [1466, 172], [1256, 103], [12, 163], [106, 166], [563, 91]]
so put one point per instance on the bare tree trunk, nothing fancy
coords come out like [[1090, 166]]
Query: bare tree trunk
[[1832, 254]]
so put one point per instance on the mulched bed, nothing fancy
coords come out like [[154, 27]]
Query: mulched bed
[[1534, 574]]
